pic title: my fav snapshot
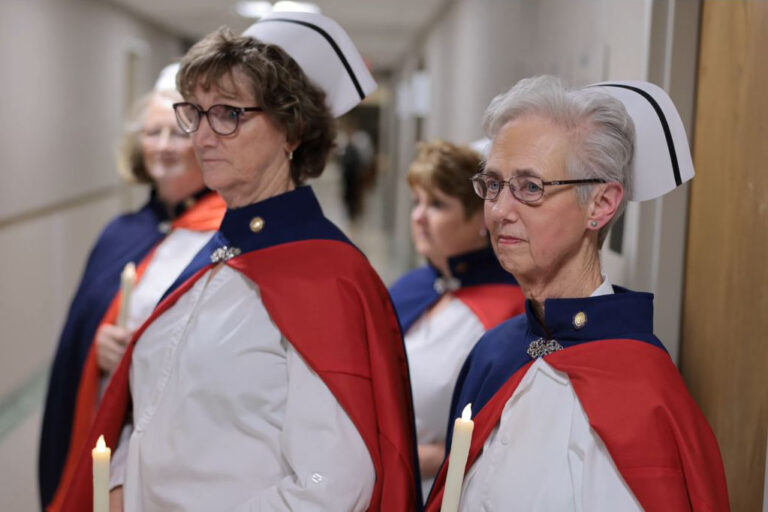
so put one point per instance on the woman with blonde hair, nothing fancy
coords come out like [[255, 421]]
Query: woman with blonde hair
[[160, 238]]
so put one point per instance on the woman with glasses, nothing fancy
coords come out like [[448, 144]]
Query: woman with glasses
[[446, 305], [577, 405], [272, 376], [161, 238]]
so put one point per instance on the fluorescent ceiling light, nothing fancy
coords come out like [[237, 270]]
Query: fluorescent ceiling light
[[290, 6], [253, 9]]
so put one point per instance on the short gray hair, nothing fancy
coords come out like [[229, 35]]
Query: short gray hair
[[602, 132]]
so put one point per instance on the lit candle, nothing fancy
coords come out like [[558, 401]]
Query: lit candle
[[457, 461], [101, 455], [127, 278]]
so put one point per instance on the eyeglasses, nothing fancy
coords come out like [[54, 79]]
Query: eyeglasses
[[223, 119], [525, 188]]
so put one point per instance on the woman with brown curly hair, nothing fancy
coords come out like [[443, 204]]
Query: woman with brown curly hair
[[273, 374], [446, 305]]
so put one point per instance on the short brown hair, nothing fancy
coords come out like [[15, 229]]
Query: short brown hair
[[447, 167], [279, 86]]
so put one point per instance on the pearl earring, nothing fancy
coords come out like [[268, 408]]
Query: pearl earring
[[483, 233], [593, 223], [290, 155]]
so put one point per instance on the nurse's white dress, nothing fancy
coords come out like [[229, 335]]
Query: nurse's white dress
[[543, 454], [227, 415]]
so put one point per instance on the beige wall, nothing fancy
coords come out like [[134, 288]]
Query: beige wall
[[64, 89], [483, 47]]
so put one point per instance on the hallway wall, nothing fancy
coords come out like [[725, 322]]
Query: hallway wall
[[65, 81], [68, 69], [483, 47]]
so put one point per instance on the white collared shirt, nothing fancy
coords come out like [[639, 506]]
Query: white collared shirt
[[605, 288], [437, 346], [169, 258], [228, 416], [543, 454]]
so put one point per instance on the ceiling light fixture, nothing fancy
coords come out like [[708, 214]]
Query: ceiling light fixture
[[253, 9], [291, 6]]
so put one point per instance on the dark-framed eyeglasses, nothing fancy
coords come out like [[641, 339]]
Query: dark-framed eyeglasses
[[525, 188], [223, 119]]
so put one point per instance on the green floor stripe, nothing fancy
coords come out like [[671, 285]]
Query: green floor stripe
[[20, 403]]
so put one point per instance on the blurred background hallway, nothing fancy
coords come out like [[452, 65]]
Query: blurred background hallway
[[71, 69]]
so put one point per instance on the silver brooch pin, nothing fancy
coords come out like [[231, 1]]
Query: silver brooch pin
[[542, 347], [224, 254], [164, 227], [446, 284]]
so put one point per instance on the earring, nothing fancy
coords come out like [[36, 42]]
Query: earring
[[290, 155], [593, 223], [483, 232]]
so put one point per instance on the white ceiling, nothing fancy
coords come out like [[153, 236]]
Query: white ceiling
[[381, 29]]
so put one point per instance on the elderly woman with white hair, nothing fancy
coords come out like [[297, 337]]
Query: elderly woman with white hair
[[577, 404]]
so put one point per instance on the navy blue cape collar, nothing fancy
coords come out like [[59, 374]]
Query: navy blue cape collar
[[502, 351], [162, 212], [415, 292], [289, 217], [605, 316], [477, 267]]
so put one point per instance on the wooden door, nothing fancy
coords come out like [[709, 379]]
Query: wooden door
[[724, 357]]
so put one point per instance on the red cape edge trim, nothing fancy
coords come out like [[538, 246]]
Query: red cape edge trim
[[492, 303]]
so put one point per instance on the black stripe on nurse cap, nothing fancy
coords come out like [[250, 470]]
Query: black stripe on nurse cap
[[662, 155], [325, 53]]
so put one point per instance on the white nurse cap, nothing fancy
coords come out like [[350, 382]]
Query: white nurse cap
[[481, 146], [662, 159], [325, 53], [167, 79]]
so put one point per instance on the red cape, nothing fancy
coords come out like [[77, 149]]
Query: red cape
[[637, 403], [336, 312], [492, 303]]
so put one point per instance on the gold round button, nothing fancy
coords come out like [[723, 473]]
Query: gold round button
[[579, 320], [257, 224]]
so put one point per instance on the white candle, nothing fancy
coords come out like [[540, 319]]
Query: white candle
[[127, 279], [101, 455], [457, 461]]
